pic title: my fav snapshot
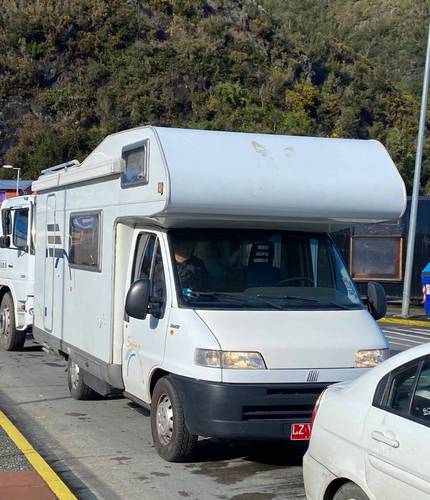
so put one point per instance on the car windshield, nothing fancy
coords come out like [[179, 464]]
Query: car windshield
[[260, 269]]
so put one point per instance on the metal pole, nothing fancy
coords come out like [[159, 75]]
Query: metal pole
[[416, 189], [17, 181]]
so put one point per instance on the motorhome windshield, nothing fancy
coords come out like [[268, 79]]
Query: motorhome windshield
[[260, 269]]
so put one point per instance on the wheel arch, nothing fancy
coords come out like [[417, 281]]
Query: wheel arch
[[4, 289], [155, 377], [334, 486]]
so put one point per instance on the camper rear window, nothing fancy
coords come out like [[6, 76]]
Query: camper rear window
[[136, 164], [84, 247]]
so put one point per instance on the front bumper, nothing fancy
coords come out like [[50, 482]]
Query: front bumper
[[316, 478], [245, 411]]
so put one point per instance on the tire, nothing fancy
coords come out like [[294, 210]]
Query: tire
[[11, 339], [172, 440], [77, 387], [350, 491]]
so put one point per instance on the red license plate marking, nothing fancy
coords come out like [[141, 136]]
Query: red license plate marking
[[300, 432]]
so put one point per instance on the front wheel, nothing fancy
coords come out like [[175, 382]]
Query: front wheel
[[172, 440], [11, 339], [350, 491], [77, 387]]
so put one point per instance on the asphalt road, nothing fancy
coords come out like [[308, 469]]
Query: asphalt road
[[403, 337], [103, 448]]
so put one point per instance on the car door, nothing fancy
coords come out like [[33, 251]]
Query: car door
[[397, 434], [144, 340]]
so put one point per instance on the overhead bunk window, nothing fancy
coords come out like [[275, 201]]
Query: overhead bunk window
[[84, 246], [376, 258], [136, 164]]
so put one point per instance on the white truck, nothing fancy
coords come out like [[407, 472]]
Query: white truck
[[192, 271], [17, 262]]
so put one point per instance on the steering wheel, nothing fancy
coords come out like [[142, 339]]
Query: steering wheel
[[295, 278]]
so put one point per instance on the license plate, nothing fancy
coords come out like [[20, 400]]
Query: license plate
[[300, 432]]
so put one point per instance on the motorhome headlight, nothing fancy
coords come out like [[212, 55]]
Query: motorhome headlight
[[210, 358], [370, 357], [243, 360], [230, 359]]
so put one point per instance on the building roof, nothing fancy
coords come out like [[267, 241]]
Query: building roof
[[9, 184]]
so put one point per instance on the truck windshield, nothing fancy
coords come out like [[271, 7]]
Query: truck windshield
[[260, 269]]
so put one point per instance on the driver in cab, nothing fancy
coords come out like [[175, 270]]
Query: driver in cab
[[191, 270]]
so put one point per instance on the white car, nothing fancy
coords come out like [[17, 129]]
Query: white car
[[371, 437]]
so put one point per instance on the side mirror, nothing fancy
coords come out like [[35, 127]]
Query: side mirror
[[4, 241], [376, 299], [24, 248], [137, 300]]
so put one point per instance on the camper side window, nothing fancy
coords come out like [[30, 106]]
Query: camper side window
[[84, 241], [136, 164]]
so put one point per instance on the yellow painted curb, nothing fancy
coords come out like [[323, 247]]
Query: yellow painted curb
[[42, 468], [402, 321]]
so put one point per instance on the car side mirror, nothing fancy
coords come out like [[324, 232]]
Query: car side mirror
[[376, 299], [137, 300], [4, 241]]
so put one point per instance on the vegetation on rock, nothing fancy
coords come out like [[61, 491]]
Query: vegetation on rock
[[74, 71]]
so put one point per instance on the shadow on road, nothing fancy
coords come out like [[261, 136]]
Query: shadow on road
[[280, 453], [276, 454], [32, 348], [140, 409], [229, 463]]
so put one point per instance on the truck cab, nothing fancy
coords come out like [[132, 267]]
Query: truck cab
[[16, 270], [251, 325]]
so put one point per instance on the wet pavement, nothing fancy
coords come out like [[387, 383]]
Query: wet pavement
[[103, 448]]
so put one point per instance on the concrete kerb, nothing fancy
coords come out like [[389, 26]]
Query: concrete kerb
[[408, 322], [55, 484]]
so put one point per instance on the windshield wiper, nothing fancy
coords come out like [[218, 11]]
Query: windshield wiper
[[243, 299], [288, 297], [305, 299]]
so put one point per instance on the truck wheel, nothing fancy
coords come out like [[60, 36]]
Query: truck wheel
[[77, 387], [350, 491], [11, 339], [171, 438]]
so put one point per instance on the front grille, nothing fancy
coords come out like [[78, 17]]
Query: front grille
[[293, 402], [284, 412]]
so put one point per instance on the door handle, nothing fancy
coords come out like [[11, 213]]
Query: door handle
[[383, 438]]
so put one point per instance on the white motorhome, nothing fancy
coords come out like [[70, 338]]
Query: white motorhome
[[193, 271], [16, 271]]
